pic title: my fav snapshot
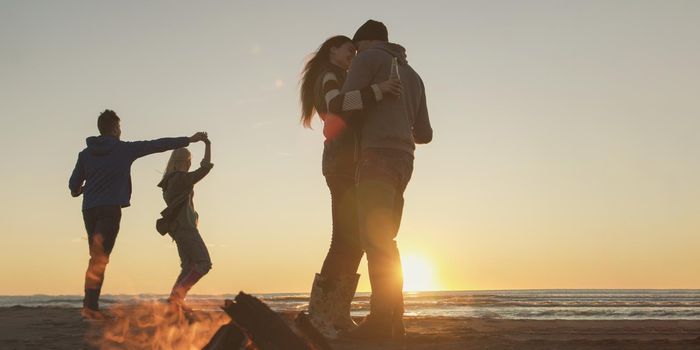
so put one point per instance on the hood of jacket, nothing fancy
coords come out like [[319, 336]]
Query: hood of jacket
[[101, 145], [395, 50]]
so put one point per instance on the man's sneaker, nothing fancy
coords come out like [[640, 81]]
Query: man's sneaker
[[94, 315], [178, 306]]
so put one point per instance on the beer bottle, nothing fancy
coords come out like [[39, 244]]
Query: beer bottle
[[394, 74]]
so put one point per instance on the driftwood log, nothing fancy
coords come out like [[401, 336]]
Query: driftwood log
[[255, 326], [303, 324], [228, 337]]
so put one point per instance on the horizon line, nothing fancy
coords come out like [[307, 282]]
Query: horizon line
[[369, 292]]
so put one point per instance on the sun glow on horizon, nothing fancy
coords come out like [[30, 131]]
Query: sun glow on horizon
[[418, 274]]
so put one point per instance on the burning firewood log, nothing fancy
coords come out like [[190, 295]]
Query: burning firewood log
[[255, 326]]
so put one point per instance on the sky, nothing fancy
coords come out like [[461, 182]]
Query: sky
[[565, 153]]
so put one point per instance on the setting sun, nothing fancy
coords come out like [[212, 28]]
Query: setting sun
[[418, 274]]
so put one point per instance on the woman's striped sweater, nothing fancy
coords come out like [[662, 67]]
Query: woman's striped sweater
[[337, 107]]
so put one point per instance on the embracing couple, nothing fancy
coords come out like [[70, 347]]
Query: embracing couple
[[374, 111]]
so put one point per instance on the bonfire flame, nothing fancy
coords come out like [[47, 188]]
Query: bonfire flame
[[157, 325]]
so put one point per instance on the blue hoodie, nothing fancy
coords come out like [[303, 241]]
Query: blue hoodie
[[105, 166]]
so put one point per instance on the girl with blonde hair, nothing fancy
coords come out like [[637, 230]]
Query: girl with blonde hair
[[178, 192]]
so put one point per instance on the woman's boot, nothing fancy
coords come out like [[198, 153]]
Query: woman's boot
[[343, 293], [320, 305]]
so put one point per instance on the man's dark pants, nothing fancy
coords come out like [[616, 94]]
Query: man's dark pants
[[102, 225], [382, 177]]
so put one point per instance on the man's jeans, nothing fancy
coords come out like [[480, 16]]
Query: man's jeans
[[382, 177]]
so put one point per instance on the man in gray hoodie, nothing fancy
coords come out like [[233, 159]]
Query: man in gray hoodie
[[388, 137]]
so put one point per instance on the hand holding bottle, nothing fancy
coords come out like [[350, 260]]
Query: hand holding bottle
[[391, 87]]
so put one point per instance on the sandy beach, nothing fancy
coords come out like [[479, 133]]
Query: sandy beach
[[63, 328]]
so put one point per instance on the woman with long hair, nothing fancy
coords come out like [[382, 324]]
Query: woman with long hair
[[322, 77], [178, 192]]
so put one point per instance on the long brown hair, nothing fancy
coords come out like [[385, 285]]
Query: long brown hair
[[315, 65]]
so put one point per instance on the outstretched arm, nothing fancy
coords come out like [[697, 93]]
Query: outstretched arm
[[207, 151], [143, 148], [205, 166]]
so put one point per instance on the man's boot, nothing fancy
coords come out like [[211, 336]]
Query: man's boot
[[398, 329], [378, 324]]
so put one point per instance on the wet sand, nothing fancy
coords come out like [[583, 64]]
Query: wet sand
[[61, 328]]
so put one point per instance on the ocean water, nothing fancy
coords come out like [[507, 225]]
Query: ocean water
[[503, 304]]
